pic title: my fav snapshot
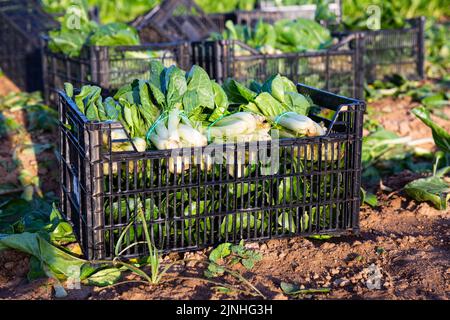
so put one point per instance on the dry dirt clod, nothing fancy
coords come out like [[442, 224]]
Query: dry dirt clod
[[327, 245], [342, 282], [357, 243], [280, 296], [335, 271]]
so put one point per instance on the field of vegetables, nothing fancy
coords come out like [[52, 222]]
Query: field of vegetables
[[96, 205]]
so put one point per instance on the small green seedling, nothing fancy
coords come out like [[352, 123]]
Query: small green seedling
[[295, 291], [227, 254]]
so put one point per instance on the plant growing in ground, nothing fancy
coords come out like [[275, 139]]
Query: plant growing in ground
[[435, 189], [227, 254]]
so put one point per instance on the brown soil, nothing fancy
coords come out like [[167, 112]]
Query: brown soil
[[406, 242], [17, 154], [7, 86], [395, 115]]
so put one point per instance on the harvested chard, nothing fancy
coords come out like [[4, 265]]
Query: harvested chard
[[174, 132], [300, 125], [240, 127]]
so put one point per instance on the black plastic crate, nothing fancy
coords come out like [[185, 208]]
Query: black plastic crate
[[21, 23], [174, 20], [338, 69], [394, 51], [107, 67], [312, 188]]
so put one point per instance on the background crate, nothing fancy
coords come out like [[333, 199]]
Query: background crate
[[338, 69], [271, 14], [107, 67], [324, 173], [21, 23], [174, 20], [396, 51]]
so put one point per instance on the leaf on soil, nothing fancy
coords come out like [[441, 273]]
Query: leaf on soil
[[294, 290], [368, 198], [440, 135], [105, 277], [433, 189], [223, 250]]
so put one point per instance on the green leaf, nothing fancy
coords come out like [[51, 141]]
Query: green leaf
[[148, 110], [269, 106], [105, 277], [289, 86], [19, 215], [156, 70], [275, 86], [250, 107], [440, 135], [123, 91], [87, 101], [289, 288], [36, 271], [223, 290], [435, 100], [59, 261], [68, 88], [222, 251], [114, 34], [287, 222], [238, 93], [433, 189], [41, 117], [321, 237], [368, 198], [101, 109], [294, 290], [256, 87], [297, 102], [158, 97], [241, 221], [175, 86], [248, 263], [112, 109], [220, 101], [62, 233], [214, 270], [199, 90]]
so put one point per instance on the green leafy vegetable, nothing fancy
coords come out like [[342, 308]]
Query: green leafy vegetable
[[434, 189], [284, 36], [440, 135]]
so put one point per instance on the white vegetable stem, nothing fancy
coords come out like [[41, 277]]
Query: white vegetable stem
[[300, 124], [162, 131], [191, 137], [172, 124], [238, 124]]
